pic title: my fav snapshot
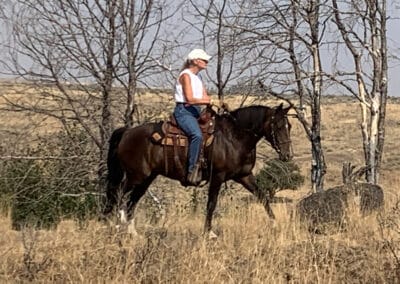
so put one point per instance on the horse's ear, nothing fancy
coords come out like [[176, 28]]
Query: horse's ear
[[281, 109], [286, 110]]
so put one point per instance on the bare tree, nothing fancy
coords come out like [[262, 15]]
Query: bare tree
[[144, 24], [215, 22], [362, 26], [290, 36], [2, 15], [79, 53]]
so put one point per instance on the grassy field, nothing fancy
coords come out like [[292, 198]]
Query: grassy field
[[250, 248]]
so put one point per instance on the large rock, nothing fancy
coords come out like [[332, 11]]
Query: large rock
[[323, 210], [328, 209], [371, 197]]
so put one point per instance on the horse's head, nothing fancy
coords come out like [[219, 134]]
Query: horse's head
[[270, 123], [279, 133]]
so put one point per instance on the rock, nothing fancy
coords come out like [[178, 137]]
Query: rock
[[327, 209], [371, 197], [323, 209]]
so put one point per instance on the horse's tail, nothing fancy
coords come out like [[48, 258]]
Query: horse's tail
[[115, 171]]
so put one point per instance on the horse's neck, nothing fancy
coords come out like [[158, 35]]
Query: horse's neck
[[240, 134], [254, 123], [242, 123]]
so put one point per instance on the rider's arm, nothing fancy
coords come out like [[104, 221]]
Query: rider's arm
[[188, 93]]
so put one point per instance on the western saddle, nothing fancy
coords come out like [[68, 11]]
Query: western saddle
[[172, 137]]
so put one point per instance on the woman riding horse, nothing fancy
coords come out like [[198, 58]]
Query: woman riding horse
[[134, 157], [190, 93]]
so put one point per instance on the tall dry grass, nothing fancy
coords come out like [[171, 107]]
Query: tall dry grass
[[250, 248]]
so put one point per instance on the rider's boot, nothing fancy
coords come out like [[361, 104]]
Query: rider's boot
[[194, 177]]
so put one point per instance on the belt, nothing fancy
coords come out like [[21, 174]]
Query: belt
[[183, 104]]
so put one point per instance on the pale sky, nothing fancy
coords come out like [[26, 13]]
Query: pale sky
[[393, 35]]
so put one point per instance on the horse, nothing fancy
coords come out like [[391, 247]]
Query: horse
[[134, 160]]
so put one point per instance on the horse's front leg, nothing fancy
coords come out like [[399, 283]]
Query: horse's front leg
[[249, 182], [213, 192]]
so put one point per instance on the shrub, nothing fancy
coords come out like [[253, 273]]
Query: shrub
[[327, 209], [371, 197], [31, 203], [323, 211], [278, 175], [42, 191]]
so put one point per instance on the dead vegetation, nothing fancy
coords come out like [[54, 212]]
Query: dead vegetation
[[249, 248], [330, 209]]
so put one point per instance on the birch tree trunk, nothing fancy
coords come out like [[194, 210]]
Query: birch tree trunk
[[364, 35], [318, 168]]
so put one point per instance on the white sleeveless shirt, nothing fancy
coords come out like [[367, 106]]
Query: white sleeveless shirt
[[197, 87]]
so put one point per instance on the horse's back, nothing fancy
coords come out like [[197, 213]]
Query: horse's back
[[139, 133], [136, 142], [141, 156]]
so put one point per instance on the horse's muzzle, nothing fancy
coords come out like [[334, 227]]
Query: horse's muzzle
[[286, 157]]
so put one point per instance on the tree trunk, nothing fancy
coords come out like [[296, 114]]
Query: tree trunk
[[383, 91], [318, 169], [106, 122], [370, 48]]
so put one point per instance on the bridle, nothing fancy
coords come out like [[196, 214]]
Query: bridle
[[275, 143]]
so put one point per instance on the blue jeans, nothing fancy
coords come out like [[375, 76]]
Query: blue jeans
[[186, 117]]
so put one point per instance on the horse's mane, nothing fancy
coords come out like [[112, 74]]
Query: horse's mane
[[225, 121], [242, 121], [251, 117]]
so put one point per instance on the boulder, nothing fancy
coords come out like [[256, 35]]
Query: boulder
[[328, 209]]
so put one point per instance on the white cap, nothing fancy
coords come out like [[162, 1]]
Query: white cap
[[198, 54]]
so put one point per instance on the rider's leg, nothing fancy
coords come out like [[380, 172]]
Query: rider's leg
[[187, 121]]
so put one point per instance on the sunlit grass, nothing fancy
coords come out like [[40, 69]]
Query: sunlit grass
[[250, 248]]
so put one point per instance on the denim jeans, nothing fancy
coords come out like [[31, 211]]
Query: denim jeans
[[186, 117]]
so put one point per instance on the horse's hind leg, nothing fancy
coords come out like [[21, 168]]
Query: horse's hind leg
[[249, 182], [110, 199], [134, 194]]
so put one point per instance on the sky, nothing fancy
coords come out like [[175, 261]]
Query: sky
[[393, 35]]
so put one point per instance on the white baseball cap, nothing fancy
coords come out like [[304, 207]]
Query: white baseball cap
[[198, 54]]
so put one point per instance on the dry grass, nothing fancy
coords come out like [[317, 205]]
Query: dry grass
[[250, 249]]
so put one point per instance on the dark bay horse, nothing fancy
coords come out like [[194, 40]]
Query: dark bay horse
[[136, 161]]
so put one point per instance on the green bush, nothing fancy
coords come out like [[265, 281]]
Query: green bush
[[41, 192], [6, 192], [27, 195], [74, 179], [277, 175]]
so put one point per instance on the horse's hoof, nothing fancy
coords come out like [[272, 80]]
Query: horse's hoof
[[123, 216], [212, 235], [132, 230]]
